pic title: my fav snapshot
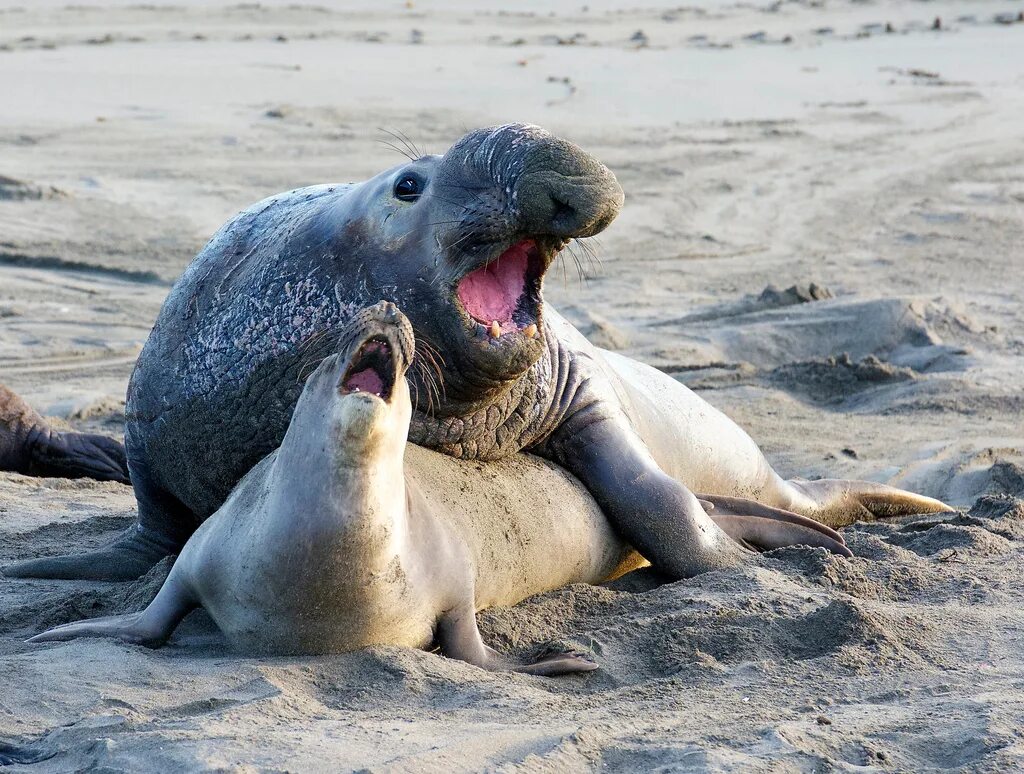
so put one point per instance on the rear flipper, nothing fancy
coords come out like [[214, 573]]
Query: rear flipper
[[459, 638], [151, 627], [29, 445], [839, 503], [79, 455], [130, 556], [760, 527]]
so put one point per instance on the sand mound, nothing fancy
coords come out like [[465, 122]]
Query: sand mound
[[900, 331], [836, 379], [769, 298]]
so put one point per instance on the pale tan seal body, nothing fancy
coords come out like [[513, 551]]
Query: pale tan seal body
[[347, 537]]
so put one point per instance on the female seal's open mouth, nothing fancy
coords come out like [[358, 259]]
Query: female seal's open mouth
[[372, 370], [503, 295]]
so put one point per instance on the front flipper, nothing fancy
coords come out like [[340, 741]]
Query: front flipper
[[761, 527], [150, 627], [649, 509], [459, 637], [839, 503]]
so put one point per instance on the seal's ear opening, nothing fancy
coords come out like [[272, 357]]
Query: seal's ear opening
[[372, 370]]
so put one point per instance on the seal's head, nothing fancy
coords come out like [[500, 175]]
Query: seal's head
[[464, 240], [359, 396]]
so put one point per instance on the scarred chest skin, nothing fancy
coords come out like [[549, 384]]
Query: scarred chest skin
[[219, 377]]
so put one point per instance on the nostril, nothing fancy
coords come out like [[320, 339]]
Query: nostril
[[565, 216]]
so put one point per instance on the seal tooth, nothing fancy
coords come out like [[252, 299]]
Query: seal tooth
[[495, 329], [531, 331]]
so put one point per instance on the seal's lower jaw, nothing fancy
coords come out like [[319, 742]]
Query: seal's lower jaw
[[372, 372], [501, 300]]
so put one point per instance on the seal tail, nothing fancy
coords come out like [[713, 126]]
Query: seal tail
[[131, 555], [839, 503]]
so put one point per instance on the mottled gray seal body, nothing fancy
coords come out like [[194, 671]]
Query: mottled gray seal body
[[461, 243], [334, 542]]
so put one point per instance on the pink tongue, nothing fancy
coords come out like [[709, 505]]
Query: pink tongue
[[366, 380], [492, 292]]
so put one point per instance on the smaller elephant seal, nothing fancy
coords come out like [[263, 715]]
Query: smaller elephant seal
[[345, 537], [30, 446]]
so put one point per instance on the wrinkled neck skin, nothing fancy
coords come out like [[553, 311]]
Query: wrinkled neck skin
[[502, 417]]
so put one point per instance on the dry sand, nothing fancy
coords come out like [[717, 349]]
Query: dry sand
[[873, 179]]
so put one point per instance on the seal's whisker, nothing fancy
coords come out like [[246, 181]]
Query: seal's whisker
[[429, 370], [413, 152], [441, 223], [418, 227], [406, 139], [431, 349], [463, 186], [471, 233], [409, 150], [578, 263], [396, 149], [408, 142], [436, 382], [446, 201], [303, 374], [462, 253], [425, 376], [415, 391], [589, 251], [312, 340]]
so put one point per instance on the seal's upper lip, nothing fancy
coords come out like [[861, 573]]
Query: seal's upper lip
[[373, 370], [503, 294]]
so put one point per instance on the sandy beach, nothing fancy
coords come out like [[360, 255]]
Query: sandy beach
[[823, 235]]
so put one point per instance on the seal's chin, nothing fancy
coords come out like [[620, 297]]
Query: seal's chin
[[502, 297], [371, 371]]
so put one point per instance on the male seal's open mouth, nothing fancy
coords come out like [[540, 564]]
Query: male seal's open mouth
[[503, 295], [372, 370]]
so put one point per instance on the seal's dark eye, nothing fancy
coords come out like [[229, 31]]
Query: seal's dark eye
[[408, 189]]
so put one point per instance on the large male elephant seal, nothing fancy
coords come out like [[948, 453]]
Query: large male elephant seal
[[30, 445], [461, 243], [333, 542]]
